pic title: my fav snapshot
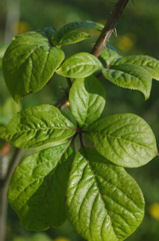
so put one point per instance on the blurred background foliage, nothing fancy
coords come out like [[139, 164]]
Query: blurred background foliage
[[137, 33]]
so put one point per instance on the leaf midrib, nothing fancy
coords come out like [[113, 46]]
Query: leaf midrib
[[138, 78], [100, 194], [119, 137]]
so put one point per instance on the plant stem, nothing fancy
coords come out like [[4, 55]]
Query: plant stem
[[109, 27], [3, 192], [81, 140]]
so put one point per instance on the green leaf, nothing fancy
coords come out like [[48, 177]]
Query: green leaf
[[87, 100], [149, 63], [109, 55], [29, 63], [39, 126], [104, 202], [130, 77], [38, 186], [68, 28], [80, 65], [73, 37], [124, 139]]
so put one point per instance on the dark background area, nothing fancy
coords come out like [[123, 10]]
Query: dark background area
[[138, 33]]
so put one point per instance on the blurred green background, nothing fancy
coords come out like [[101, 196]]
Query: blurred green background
[[138, 33]]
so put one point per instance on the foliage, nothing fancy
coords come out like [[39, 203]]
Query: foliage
[[87, 185]]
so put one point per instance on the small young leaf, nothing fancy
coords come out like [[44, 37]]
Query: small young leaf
[[29, 63], [87, 100], [149, 63], [124, 139], [39, 126], [68, 28], [73, 37], [109, 55], [38, 186], [104, 202], [130, 77], [80, 65]]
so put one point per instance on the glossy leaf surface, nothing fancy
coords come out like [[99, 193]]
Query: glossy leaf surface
[[38, 186], [29, 63], [80, 65], [149, 63], [87, 100], [130, 77], [104, 202], [39, 126], [124, 139]]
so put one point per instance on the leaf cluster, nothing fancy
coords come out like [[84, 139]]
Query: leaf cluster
[[85, 183]]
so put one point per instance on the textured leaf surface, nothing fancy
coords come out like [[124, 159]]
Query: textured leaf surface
[[124, 139], [109, 55], [39, 126], [68, 28], [87, 100], [130, 77], [38, 186], [104, 202], [73, 37], [29, 63], [149, 63], [80, 65]]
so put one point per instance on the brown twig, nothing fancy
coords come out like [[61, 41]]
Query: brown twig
[[109, 27]]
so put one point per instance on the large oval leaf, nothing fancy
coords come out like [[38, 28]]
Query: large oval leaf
[[80, 65], [130, 77], [39, 126], [38, 186], [29, 63], [104, 202], [124, 139], [149, 63], [87, 100]]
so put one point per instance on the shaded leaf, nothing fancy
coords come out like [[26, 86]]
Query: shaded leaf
[[68, 28], [73, 37], [38, 186], [109, 55]]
